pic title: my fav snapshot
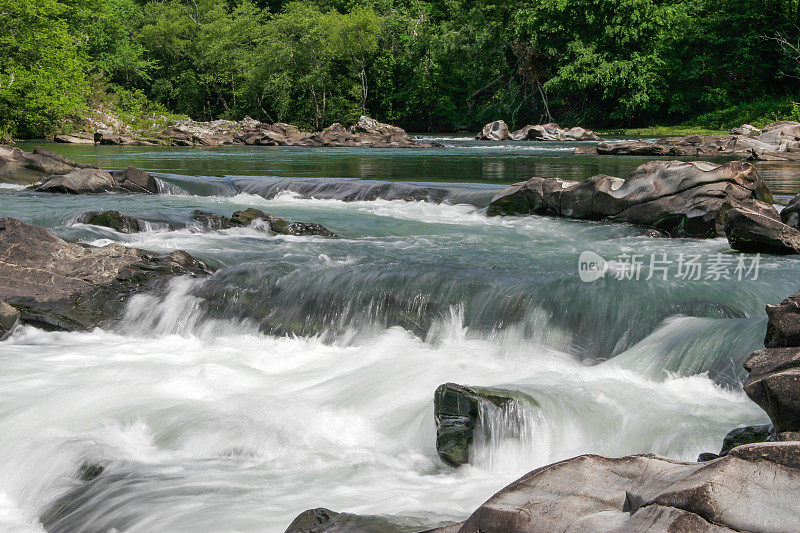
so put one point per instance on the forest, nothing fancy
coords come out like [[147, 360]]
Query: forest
[[447, 65]]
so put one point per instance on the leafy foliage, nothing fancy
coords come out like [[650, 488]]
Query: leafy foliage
[[423, 64]]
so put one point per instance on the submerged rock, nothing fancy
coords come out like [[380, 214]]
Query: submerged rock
[[753, 488], [246, 217], [679, 198], [9, 318], [60, 285], [111, 219], [323, 520], [457, 411]]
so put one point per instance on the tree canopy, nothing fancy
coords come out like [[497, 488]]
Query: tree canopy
[[423, 64]]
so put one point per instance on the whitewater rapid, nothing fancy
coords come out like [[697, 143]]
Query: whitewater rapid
[[302, 373]]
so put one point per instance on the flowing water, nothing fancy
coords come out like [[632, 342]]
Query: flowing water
[[301, 374]]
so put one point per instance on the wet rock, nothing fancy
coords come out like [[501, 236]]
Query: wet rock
[[790, 215], [212, 221], [117, 139], [60, 285], [751, 489], [757, 228], [94, 180], [9, 318], [679, 198], [740, 437], [634, 148], [111, 219], [134, 179], [246, 217], [774, 384], [783, 324], [457, 410]]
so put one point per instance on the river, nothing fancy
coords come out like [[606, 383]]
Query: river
[[301, 374]]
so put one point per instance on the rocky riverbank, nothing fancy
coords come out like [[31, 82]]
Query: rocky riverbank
[[779, 141], [366, 132], [749, 486]]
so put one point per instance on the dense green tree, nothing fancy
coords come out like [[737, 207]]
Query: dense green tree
[[42, 72]]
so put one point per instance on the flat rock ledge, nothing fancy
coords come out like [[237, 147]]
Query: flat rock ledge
[[498, 131], [779, 141], [367, 132], [682, 199], [58, 285], [51, 172]]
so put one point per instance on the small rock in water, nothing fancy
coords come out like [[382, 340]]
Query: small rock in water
[[740, 437], [111, 219], [457, 410]]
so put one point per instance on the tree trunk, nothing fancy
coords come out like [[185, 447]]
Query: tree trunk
[[544, 101]]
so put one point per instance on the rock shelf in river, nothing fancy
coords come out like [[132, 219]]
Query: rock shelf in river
[[680, 198], [59, 285], [779, 141]]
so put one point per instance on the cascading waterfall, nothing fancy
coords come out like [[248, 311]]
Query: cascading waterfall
[[301, 374]]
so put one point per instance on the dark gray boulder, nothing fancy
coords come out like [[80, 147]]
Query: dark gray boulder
[[753, 488], [134, 179], [679, 198], [783, 324], [774, 384], [9, 318], [740, 437], [60, 285], [250, 215], [756, 227], [111, 219], [457, 412], [95, 181], [212, 221]]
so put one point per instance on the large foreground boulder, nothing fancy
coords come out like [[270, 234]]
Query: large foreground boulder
[[60, 285], [680, 198], [753, 488]]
